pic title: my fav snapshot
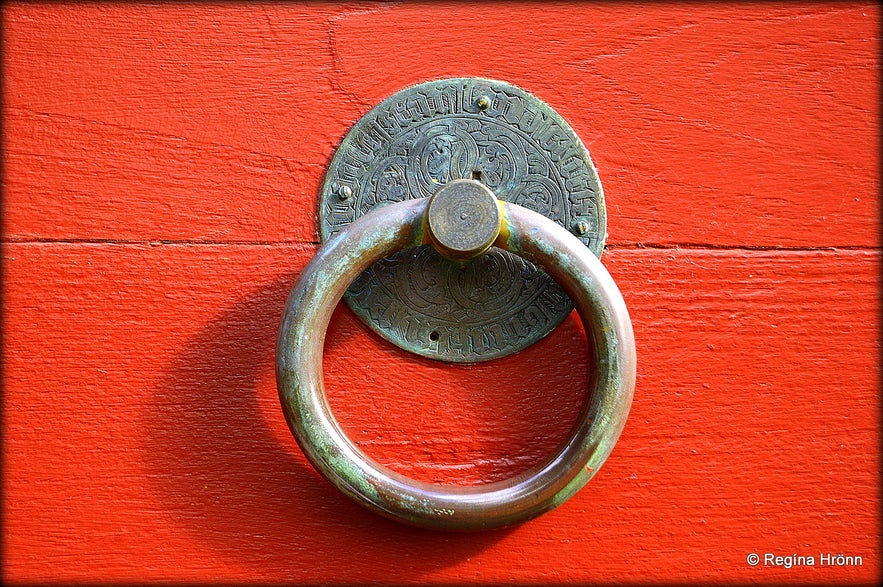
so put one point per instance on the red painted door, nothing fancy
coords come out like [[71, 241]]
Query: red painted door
[[161, 166]]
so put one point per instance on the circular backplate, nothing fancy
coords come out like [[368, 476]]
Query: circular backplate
[[464, 128]]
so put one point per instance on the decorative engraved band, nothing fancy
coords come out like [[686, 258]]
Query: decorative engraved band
[[302, 392]]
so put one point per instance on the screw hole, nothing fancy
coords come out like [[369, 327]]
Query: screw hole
[[433, 336], [476, 175]]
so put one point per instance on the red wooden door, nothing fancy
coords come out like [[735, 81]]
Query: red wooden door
[[161, 171]]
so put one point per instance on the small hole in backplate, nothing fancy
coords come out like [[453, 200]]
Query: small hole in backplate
[[433, 336], [476, 175]]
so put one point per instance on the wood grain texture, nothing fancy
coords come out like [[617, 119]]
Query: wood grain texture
[[720, 126], [144, 439], [161, 169]]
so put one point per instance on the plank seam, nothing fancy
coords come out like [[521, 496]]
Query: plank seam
[[612, 247]]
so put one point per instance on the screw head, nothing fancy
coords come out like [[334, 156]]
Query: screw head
[[484, 103], [581, 227], [345, 192]]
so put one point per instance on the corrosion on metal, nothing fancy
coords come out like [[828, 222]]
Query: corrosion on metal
[[302, 392], [417, 141], [463, 219]]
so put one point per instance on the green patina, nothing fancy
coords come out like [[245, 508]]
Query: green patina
[[498, 504]]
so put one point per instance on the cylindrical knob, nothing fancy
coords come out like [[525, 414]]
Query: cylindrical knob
[[463, 219]]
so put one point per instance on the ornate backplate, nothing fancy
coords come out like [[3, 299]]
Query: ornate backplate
[[464, 128]]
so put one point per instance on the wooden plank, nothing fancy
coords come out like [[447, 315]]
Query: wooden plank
[[101, 182], [143, 438], [255, 78], [751, 125], [717, 125]]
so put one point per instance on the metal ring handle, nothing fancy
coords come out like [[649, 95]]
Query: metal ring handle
[[301, 388]]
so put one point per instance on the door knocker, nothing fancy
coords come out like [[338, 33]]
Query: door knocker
[[462, 220]]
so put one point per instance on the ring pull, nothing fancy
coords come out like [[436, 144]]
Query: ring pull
[[463, 219]]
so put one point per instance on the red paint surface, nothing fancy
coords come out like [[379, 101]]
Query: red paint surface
[[161, 165]]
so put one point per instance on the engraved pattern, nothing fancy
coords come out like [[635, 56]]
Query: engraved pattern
[[421, 138]]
